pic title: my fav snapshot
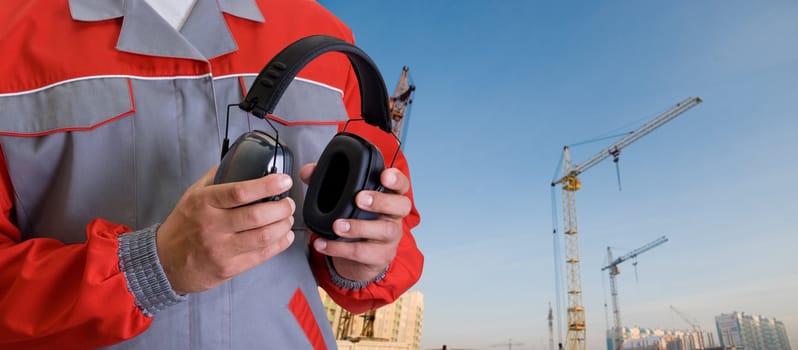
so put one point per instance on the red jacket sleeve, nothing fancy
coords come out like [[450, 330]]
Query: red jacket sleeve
[[405, 270], [52, 293]]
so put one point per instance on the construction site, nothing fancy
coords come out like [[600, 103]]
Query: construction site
[[569, 182], [399, 326], [668, 128], [768, 334]]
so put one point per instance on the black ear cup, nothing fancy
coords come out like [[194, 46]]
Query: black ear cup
[[348, 165], [254, 154]]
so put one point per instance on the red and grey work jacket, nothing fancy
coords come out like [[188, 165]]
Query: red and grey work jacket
[[107, 115]]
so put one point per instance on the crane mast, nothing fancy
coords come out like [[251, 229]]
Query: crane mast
[[400, 103], [617, 331], [575, 338], [576, 335], [617, 340]]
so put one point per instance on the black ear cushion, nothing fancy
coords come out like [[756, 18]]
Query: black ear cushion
[[348, 165]]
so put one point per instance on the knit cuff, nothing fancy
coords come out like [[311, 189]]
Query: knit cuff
[[346, 283], [138, 260]]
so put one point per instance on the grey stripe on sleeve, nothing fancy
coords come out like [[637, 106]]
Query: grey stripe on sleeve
[[138, 260], [346, 283]]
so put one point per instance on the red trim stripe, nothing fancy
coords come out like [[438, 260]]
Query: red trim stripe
[[304, 315], [243, 86], [287, 123]]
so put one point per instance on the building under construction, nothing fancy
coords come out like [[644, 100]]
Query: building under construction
[[395, 326]]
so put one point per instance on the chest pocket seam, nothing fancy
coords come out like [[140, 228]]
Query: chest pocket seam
[[81, 105]]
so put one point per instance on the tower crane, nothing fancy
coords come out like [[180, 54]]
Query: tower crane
[[575, 338], [694, 325], [617, 340], [400, 103]]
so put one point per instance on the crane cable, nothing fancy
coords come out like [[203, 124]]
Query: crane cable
[[600, 138], [557, 263]]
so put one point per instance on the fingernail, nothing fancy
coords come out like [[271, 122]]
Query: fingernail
[[365, 200], [290, 237], [285, 182], [320, 244], [342, 226], [390, 178], [293, 204]]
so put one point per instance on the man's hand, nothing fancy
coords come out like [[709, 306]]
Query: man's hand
[[365, 259], [212, 236]]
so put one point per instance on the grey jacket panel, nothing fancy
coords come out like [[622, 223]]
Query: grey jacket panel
[[54, 127], [131, 166]]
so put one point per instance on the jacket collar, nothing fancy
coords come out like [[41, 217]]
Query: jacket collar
[[204, 35]]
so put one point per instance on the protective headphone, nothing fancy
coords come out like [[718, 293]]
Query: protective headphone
[[348, 164]]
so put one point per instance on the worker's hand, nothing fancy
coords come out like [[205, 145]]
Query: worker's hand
[[366, 258], [212, 236]]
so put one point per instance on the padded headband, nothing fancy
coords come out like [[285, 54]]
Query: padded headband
[[274, 79]]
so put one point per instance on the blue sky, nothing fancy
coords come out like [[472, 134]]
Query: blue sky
[[503, 85]]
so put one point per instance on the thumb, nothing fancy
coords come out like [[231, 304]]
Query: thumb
[[306, 172], [207, 178]]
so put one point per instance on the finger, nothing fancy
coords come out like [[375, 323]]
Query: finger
[[235, 194], [250, 217], [306, 172], [395, 180], [364, 252], [248, 260], [262, 237], [391, 204], [207, 178], [383, 231]]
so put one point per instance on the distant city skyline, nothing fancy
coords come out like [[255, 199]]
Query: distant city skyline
[[752, 331], [635, 337], [503, 85]]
